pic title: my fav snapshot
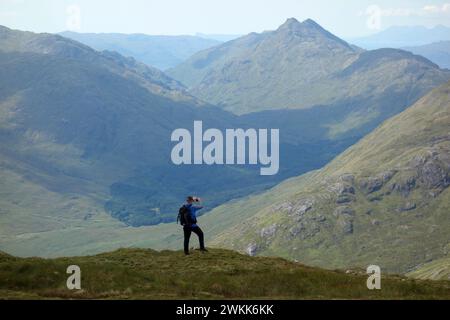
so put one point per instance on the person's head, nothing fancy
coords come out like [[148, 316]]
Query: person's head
[[191, 199]]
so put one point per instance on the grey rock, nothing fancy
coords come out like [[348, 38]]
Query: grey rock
[[345, 224], [343, 210], [372, 184], [434, 175], [404, 186], [348, 177], [408, 206], [295, 231], [341, 188], [251, 249], [319, 218], [298, 208], [269, 231], [375, 198], [344, 199], [302, 206]]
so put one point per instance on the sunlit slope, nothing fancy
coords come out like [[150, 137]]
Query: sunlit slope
[[384, 201], [434, 270]]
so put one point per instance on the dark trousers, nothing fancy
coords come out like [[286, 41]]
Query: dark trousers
[[187, 234]]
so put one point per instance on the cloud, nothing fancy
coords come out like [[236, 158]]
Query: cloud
[[397, 12], [430, 9], [374, 13], [435, 9]]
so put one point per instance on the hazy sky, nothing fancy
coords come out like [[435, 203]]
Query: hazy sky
[[345, 18]]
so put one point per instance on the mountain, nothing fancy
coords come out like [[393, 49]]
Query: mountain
[[77, 124], [438, 52], [313, 74], [85, 139], [148, 274], [403, 36], [162, 52], [384, 201]]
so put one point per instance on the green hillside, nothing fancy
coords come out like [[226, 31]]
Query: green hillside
[[434, 270], [218, 274], [384, 201]]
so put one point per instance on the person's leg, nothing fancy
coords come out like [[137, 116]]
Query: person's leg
[[187, 235], [201, 239]]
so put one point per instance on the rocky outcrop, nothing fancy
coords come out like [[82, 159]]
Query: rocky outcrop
[[297, 208], [432, 170], [372, 184], [251, 249], [345, 224], [407, 207], [269, 231]]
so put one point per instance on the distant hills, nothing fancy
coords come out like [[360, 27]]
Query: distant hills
[[218, 37], [438, 52], [403, 36], [384, 201], [306, 69], [162, 52], [431, 43]]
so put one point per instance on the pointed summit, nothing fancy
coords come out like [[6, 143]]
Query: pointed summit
[[310, 23], [308, 26], [290, 24]]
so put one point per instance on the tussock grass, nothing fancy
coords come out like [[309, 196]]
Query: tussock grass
[[218, 274]]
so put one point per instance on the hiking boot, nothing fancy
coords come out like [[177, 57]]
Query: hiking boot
[[203, 249]]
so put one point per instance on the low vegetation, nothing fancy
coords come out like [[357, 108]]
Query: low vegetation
[[218, 274]]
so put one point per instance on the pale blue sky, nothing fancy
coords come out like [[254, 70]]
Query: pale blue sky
[[345, 18]]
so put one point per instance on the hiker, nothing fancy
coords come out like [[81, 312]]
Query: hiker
[[188, 219]]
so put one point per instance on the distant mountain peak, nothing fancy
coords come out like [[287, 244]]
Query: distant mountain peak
[[294, 24], [311, 23], [290, 22], [309, 29]]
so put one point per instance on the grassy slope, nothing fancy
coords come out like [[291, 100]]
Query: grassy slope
[[147, 274], [317, 220], [435, 270]]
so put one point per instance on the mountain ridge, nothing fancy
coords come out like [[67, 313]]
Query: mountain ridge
[[308, 62], [159, 51]]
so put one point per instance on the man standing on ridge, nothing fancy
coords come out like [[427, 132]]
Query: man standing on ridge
[[188, 219]]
